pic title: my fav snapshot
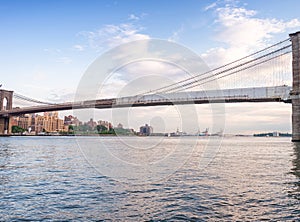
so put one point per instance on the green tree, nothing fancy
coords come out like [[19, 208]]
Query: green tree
[[112, 131], [17, 129], [101, 129], [70, 128], [81, 128]]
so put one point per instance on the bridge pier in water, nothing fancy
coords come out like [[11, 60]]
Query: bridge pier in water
[[295, 94], [6, 98]]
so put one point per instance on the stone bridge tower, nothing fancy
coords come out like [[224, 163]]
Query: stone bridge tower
[[295, 93], [6, 98]]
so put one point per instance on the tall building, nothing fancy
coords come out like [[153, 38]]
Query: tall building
[[26, 121], [92, 124], [49, 122], [14, 121], [146, 130], [71, 120]]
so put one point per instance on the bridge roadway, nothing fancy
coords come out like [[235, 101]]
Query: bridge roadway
[[258, 94]]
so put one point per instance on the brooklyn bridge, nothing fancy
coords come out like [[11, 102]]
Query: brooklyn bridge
[[240, 75]]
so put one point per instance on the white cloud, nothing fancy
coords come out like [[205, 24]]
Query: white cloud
[[113, 35], [64, 60], [133, 17], [140, 77], [78, 47], [242, 31], [52, 51], [39, 75], [175, 35], [240, 27], [210, 6], [60, 95]]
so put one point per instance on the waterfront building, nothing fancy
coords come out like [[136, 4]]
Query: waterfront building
[[49, 122], [146, 130], [26, 122], [91, 124], [71, 120], [14, 121]]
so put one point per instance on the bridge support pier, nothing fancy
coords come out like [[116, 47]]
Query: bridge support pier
[[295, 94], [5, 104], [5, 128]]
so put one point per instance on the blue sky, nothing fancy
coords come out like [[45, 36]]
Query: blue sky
[[47, 45]]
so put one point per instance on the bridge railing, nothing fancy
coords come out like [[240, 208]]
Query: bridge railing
[[264, 93]]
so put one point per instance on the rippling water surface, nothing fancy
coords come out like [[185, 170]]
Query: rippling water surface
[[48, 178]]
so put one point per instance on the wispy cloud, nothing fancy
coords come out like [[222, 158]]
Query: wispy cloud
[[60, 95], [210, 6], [134, 78], [176, 35], [78, 47], [52, 51], [133, 17], [113, 35], [64, 60]]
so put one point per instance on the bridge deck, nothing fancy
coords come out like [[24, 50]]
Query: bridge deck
[[261, 94]]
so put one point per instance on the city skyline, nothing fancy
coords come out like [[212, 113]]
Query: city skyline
[[49, 45], [50, 122]]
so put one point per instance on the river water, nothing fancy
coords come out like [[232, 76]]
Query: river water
[[57, 179]]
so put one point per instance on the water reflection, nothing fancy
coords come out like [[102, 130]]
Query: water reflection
[[5, 156], [296, 171], [47, 178]]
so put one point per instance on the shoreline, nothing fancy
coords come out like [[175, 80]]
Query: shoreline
[[114, 135]]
